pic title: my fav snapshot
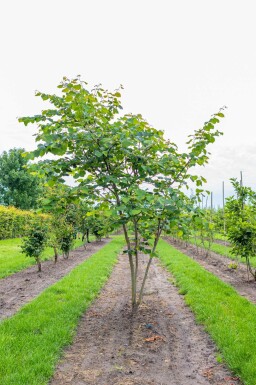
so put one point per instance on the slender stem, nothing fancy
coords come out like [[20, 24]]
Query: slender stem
[[136, 249], [55, 254], [249, 269], [128, 243], [144, 280], [132, 268], [158, 234], [39, 265], [247, 264]]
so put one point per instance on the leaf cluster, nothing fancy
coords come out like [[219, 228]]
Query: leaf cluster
[[35, 243], [18, 187]]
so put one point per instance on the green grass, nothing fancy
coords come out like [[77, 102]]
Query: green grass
[[216, 247], [220, 236], [31, 342], [12, 260], [229, 318], [226, 251]]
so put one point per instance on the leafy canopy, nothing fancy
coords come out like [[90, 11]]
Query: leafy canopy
[[120, 160], [17, 186]]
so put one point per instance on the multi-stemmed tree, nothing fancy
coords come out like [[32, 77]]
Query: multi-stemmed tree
[[121, 160]]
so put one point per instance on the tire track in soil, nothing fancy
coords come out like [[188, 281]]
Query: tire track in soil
[[20, 288], [218, 265], [110, 347]]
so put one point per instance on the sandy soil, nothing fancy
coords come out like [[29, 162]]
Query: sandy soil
[[219, 265], [20, 288], [161, 344]]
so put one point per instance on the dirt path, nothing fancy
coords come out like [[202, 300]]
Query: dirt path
[[111, 346], [20, 288], [218, 265]]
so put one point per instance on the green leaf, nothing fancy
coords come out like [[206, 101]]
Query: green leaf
[[98, 154], [135, 211]]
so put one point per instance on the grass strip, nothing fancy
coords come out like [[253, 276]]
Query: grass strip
[[220, 236], [216, 247], [229, 318], [225, 251], [31, 342], [12, 260]]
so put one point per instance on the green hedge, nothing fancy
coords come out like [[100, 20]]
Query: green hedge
[[14, 223]]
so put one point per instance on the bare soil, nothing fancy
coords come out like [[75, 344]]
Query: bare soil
[[222, 267], [20, 288], [159, 344]]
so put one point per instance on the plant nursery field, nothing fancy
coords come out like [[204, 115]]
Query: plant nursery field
[[192, 328]]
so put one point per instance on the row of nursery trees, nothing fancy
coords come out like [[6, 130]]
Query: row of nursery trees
[[121, 162], [60, 220], [235, 223], [52, 215], [66, 221]]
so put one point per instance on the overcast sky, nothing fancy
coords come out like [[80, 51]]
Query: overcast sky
[[179, 62]]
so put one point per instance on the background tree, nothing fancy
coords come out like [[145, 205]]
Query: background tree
[[35, 243], [84, 222], [62, 204], [241, 221], [121, 160], [65, 235], [101, 221], [17, 186]]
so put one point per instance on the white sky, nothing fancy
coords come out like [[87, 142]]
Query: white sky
[[179, 62]]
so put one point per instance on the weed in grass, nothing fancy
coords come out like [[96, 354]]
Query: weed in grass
[[219, 358], [233, 265], [172, 281]]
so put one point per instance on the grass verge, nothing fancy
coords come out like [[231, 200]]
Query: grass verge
[[31, 342], [229, 318], [12, 260]]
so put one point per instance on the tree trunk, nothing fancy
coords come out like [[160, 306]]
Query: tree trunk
[[132, 268], [144, 281], [157, 236], [55, 254], [133, 280], [39, 265]]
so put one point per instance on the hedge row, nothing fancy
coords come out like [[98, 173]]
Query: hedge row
[[14, 223]]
